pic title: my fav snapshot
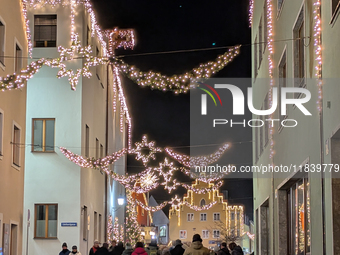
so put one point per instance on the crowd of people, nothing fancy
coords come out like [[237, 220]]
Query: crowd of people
[[196, 248]]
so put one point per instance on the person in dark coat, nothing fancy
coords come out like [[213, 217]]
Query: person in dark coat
[[104, 250], [139, 250], [128, 249], [224, 250], [118, 250], [235, 249], [178, 250], [64, 250], [94, 248]]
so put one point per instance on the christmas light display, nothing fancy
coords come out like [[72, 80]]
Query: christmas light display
[[203, 190], [177, 83], [149, 180], [120, 38], [251, 12], [115, 230], [318, 50], [109, 229], [149, 147], [200, 177], [198, 161], [133, 230], [151, 208], [199, 208]]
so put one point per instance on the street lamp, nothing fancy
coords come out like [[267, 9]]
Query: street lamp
[[121, 200]]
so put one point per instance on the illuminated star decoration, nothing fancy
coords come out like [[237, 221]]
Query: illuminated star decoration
[[166, 170], [198, 161], [142, 146], [175, 202], [149, 180]]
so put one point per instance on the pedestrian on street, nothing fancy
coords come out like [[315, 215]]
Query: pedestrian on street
[[94, 248], [118, 250], [139, 250], [64, 250], [113, 245], [75, 250], [128, 249], [224, 250], [104, 250], [153, 248], [178, 250], [197, 247], [235, 249]]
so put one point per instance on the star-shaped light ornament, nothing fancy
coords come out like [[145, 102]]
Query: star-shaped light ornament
[[75, 52], [166, 169], [175, 202], [149, 181], [143, 146]]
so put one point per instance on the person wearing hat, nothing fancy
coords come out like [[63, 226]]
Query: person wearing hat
[[75, 250], [64, 250], [224, 249], [128, 249], [178, 250], [196, 247], [94, 248]]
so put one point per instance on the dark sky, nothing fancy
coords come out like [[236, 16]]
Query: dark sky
[[179, 25]]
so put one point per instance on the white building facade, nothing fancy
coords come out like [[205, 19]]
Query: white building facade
[[68, 203], [296, 212]]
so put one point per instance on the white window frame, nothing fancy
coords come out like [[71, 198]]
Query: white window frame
[[2, 65], [191, 218], [14, 124], [205, 234], [216, 231], [204, 218], [219, 216], [2, 115], [16, 43]]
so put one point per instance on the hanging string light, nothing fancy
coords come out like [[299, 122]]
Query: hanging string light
[[318, 51], [177, 83], [142, 146], [198, 161], [251, 12]]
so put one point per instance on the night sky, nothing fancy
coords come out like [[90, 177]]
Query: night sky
[[179, 25]]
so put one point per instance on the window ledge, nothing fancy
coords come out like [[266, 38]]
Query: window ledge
[[15, 167], [43, 151], [45, 238]]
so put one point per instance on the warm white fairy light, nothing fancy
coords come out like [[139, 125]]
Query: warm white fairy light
[[149, 180], [203, 190], [120, 38], [177, 83], [145, 145], [151, 208], [318, 51], [251, 12], [200, 160]]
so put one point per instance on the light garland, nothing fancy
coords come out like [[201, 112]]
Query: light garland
[[203, 190], [151, 208], [144, 144], [177, 83], [198, 161], [199, 177], [133, 230], [120, 38], [251, 12], [318, 51], [199, 208]]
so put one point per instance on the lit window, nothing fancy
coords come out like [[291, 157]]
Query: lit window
[[43, 135], [45, 30], [46, 221]]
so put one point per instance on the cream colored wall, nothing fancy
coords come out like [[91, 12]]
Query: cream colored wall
[[178, 218], [13, 107]]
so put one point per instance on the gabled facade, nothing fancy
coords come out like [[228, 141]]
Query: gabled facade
[[206, 214], [13, 49]]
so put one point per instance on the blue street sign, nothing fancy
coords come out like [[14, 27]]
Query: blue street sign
[[69, 224]]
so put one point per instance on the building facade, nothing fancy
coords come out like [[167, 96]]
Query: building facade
[[208, 215], [161, 223], [69, 203], [296, 212], [13, 47]]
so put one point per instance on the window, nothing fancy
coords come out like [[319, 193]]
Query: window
[[216, 233], [279, 4], [16, 146], [95, 226], [298, 217], [202, 203], [2, 43], [101, 151], [260, 42], [87, 141], [97, 148], [88, 36], [98, 66], [205, 234], [43, 135], [85, 222], [256, 57], [264, 227], [45, 30], [18, 58], [190, 217], [99, 227], [335, 7], [216, 216], [238, 215], [162, 231], [46, 221], [14, 239], [203, 217], [232, 216], [282, 84], [1, 131], [299, 52]]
